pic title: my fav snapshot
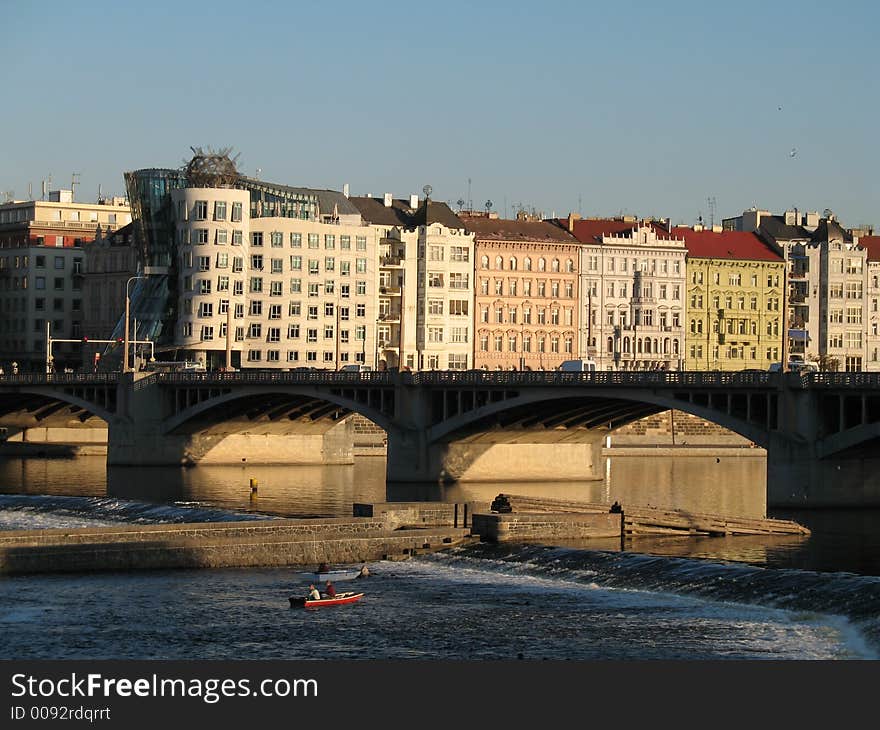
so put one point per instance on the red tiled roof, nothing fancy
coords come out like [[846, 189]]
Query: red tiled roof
[[591, 230], [872, 245], [707, 244]]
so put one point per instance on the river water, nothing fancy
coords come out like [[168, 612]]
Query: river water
[[815, 597]]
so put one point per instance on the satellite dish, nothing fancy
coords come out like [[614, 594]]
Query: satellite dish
[[427, 190]]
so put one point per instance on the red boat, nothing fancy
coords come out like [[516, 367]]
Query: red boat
[[337, 600]]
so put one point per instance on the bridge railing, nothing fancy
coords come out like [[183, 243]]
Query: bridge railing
[[842, 380], [60, 379], [305, 377], [625, 378]]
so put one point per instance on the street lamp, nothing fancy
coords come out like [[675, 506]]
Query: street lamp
[[125, 366]]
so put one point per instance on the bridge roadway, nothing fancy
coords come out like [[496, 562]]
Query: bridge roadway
[[819, 429]]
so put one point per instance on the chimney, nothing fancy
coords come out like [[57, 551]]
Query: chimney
[[669, 225], [345, 190], [387, 200], [572, 217], [413, 201]]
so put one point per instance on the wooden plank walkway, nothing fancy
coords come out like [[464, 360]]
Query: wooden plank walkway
[[655, 521]]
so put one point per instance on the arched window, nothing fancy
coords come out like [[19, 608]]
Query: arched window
[[542, 265], [666, 346], [499, 262], [484, 262], [512, 263], [675, 347], [555, 264], [648, 345], [569, 266], [626, 345], [639, 346], [610, 345], [527, 264]]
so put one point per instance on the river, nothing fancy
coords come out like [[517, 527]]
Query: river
[[815, 597]]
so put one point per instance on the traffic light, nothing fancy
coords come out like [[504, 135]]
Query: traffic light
[[119, 340], [85, 340]]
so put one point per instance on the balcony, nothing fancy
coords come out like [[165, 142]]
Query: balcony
[[391, 260], [393, 291], [390, 317]]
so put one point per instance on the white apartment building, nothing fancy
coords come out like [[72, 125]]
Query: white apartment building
[[633, 288], [426, 285], [278, 288]]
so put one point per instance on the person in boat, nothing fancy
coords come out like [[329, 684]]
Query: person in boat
[[365, 572], [323, 568], [314, 594], [330, 590]]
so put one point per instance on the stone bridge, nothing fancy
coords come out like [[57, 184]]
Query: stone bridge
[[445, 426]]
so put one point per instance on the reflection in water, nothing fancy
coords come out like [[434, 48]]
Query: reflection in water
[[725, 485], [734, 486]]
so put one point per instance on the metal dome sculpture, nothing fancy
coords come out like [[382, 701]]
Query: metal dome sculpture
[[211, 169]]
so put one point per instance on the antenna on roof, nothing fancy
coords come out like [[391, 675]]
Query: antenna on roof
[[469, 201], [711, 202]]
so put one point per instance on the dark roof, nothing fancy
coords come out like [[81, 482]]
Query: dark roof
[[501, 229], [830, 230], [591, 230], [725, 245], [433, 212], [872, 245], [373, 210], [776, 228]]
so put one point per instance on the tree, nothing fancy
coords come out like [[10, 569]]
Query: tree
[[826, 363]]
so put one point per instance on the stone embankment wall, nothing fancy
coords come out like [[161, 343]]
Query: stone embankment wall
[[674, 428]]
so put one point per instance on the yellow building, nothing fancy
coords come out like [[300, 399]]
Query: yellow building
[[735, 301]]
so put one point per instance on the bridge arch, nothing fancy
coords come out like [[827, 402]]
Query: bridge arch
[[615, 405], [275, 406], [54, 398]]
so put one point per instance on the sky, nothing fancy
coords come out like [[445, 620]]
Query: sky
[[673, 109]]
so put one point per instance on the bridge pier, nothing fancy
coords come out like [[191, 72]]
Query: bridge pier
[[517, 456]]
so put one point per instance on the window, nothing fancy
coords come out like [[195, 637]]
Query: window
[[458, 281], [361, 243], [361, 310], [273, 334], [458, 307], [256, 308], [294, 309], [277, 239], [296, 240], [256, 238], [200, 212], [458, 334], [345, 243], [293, 331], [256, 284], [329, 241], [361, 266], [435, 306], [329, 263], [236, 213], [435, 280], [238, 288], [206, 309], [276, 289], [220, 210], [255, 331], [201, 236], [236, 238], [314, 240], [459, 253], [204, 263]]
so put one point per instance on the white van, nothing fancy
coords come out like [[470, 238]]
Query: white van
[[578, 366], [355, 368]]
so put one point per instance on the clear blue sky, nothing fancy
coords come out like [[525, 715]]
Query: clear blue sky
[[647, 108]]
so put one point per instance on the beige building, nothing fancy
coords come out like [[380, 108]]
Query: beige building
[[109, 263], [42, 265], [527, 314]]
